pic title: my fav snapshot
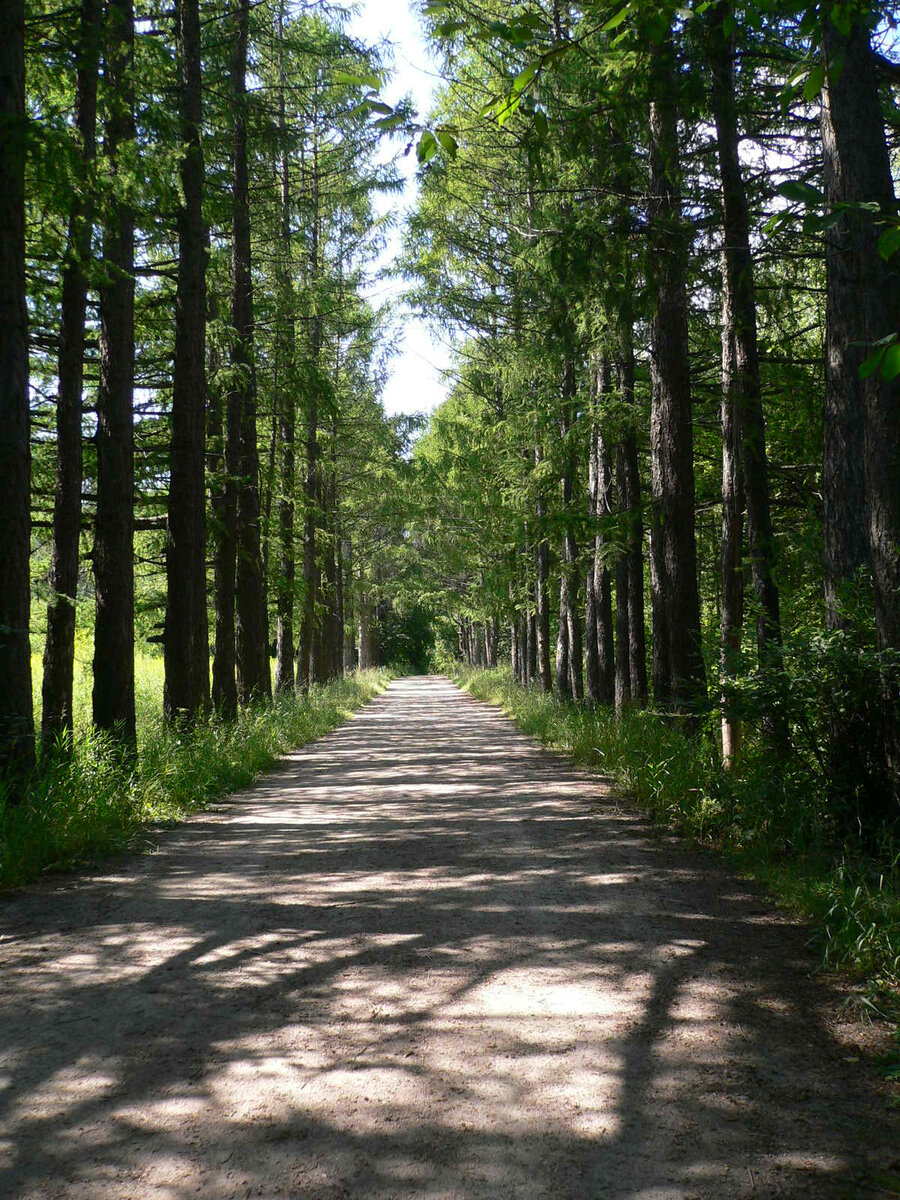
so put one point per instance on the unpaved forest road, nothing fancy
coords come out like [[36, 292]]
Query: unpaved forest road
[[423, 959]]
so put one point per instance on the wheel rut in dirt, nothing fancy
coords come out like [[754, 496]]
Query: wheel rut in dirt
[[422, 958]]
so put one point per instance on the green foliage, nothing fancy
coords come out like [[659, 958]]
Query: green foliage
[[91, 803]]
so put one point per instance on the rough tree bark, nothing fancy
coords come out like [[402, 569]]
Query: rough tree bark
[[739, 288], [311, 479], [679, 673], [631, 646], [600, 666], [252, 632], [16, 717], [224, 448], [349, 610], [59, 647], [186, 690], [284, 349], [732, 567], [569, 644], [861, 495], [544, 674], [113, 694]]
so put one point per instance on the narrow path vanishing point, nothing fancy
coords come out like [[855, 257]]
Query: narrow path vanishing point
[[424, 958]]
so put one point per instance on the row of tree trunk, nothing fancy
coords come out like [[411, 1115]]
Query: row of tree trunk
[[204, 424], [861, 470]]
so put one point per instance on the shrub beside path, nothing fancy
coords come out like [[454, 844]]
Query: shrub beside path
[[423, 958]]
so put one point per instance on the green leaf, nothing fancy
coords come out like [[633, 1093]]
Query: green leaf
[[525, 77], [818, 222], [804, 193], [427, 147], [510, 104], [890, 364], [354, 80], [616, 21], [541, 124], [448, 142], [375, 106], [657, 28], [871, 362], [889, 243], [788, 94], [814, 82], [387, 124], [840, 18], [729, 25], [434, 8], [776, 222]]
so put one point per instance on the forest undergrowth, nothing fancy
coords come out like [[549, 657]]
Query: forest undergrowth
[[771, 821], [94, 801]]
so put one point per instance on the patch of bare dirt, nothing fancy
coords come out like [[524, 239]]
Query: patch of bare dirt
[[426, 959]]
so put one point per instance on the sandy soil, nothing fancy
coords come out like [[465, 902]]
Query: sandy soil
[[424, 958]]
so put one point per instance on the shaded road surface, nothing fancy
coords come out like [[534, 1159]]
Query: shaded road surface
[[423, 959]]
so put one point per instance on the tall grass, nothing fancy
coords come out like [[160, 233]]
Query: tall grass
[[89, 802], [774, 821]]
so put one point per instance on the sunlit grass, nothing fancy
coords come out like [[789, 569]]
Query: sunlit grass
[[89, 802], [774, 824]]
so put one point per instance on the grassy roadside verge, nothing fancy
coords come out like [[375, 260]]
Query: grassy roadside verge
[[853, 903], [89, 804]]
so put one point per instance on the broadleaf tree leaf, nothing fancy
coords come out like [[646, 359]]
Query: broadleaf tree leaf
[[890, 363], [427, 147], [447, 141], [616, 21], [510, 105], [871, 362], [819, 222], [889, 243], [814, 82], [525, 77], [796, 189], [353, 80]]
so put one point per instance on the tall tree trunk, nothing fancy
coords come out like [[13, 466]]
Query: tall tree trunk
[[676, 608], [338, 604], [16, 714], [599, 645], [186, 691], [739, 287], [572, 645], [113, 695], [284, 349], [631, 647], [59, 647], [324, 657], [544, 674], [862, 417], [514, 649], [732, 567], [531, 672], [349, 613], [224, 448], [252, 634], [305, 647]]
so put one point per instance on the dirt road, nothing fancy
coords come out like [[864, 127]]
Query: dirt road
[[423, 959]]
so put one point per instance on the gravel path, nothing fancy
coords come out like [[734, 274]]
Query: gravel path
[[422, 959]]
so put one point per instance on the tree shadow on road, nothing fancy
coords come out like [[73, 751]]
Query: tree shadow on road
[[423, 958]]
